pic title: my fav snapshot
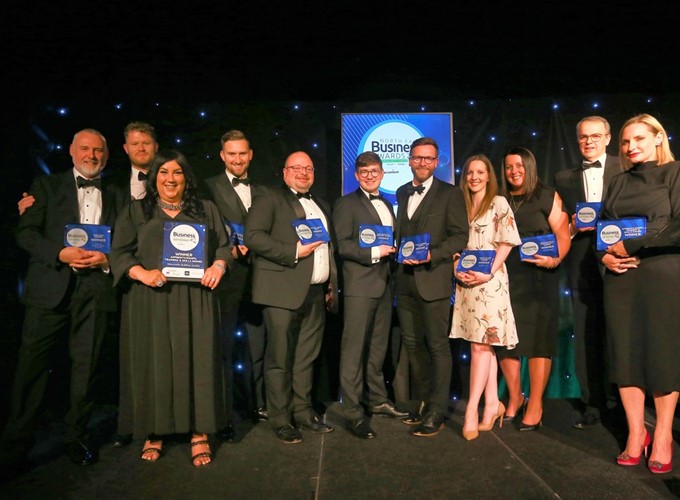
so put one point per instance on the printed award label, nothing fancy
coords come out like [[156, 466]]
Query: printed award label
[[310, 230], [587, 214], [414, 247], [88, 237], [371, 235], [544, 244], [235, 232], [184, 252], [476, 260], [612, 231]]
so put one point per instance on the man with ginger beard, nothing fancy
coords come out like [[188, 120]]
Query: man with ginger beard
[[233, 192], [427, 205]]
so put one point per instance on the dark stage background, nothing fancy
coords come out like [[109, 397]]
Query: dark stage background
[[38, 140]]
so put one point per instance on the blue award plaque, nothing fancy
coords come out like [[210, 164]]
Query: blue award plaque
[[476, 260], [414, 247], [612, 231], [88, 237], [184, 252], [310, 230], [372, 235], [587, 214], [235, 232], [545, 245]]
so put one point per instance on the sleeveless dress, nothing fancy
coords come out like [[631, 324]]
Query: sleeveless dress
[[483, 313], [534, 291]]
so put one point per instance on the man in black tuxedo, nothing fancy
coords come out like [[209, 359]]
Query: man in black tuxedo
[[424, 287], [368, 292], [232, 191], [588, 182], [69, 296], [295, 283]]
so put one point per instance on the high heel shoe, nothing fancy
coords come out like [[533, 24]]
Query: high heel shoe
[[531, 427], [489, 426], [657, 467], [470, 435], [520, 409], [625, 459]]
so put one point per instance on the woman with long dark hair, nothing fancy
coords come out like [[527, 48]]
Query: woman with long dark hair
[[534, 284], [174, 358]]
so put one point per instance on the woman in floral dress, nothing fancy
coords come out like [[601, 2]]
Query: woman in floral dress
[[482, 314]]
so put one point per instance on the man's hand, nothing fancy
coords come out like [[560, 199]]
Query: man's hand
[[305, 250], [26, 201], [78, 258]]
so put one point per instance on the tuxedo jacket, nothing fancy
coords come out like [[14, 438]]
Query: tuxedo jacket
[[360, 277], [120, 177], [231, 208], [443, 215], [40, 232], [278, 279], [569, 184]]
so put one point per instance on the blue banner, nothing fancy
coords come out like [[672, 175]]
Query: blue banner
[[613, 231], [545, 245], [311, 230], [414, 247], [374, 235]]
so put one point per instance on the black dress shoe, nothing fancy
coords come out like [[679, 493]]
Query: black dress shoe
[[81, 454], [360, 428], [227, 434], [261, 413], [388, 409], [120, 440], [288, 434], [416, 417], [432, 422], [586, 422], [315, 425]]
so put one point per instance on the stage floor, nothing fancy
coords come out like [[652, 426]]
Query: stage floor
[[557, 461]]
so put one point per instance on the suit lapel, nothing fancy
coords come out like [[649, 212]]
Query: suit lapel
[[71, 191], [294, 203], [230, 196], [425, 205], [368, 205]]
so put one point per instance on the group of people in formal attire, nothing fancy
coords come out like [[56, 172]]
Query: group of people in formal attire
[[175, 335]]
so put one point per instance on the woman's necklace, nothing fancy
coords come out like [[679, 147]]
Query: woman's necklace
[[170, 206], [516, 206]]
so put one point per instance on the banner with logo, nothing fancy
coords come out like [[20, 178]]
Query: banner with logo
[[390, 135]]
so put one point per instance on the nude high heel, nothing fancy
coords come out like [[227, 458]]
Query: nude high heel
[[489, 426]]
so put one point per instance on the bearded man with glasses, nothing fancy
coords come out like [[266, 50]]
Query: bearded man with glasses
[[424, 287]]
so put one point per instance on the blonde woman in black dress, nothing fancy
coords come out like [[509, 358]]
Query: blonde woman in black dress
[[641, 289]]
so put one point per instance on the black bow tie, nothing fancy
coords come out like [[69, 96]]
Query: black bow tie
[[374, 197], [83, 182], [307, 195], [141, 176], [410, 189], [236, 181], [595, 164]]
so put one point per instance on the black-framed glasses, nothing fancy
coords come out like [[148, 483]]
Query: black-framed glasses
[[592, 137], [364, 174], [298, 169], [427, 160]]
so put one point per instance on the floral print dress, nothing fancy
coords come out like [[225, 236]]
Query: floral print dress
[[483, 313]]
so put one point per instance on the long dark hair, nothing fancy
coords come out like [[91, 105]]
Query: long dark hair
[[192, 204]]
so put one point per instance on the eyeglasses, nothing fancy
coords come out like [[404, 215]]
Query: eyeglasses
[[364, 174], [298, 169], [427, 160], [592, 137]]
